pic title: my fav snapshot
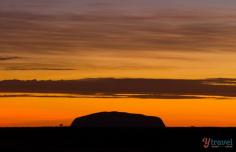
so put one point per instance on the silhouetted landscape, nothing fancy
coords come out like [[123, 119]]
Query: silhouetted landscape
[[111, 131], [116, 120], [118, 75]]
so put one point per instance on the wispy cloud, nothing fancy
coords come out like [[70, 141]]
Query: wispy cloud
[[6, 58], [33, 69], [121, 37], [24, 31]]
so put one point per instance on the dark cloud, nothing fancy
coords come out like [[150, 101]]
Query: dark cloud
[[6, 58], [44, 69], [143, 96], [33, 64], [122, 88]]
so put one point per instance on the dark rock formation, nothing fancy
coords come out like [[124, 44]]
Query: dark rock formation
[[117, 119]]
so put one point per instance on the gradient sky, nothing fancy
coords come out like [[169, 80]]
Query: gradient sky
[[75, 39], [70, 39]]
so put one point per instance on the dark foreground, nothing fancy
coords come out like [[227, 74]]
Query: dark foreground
[[115, 140]]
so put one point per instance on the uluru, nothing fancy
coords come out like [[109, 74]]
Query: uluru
[[117, 119]]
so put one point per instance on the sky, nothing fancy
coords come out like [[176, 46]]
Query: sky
[[157, 54], [70, 39]]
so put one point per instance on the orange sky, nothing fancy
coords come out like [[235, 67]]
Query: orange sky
[[145, 64], [184, 112], [69, 39]]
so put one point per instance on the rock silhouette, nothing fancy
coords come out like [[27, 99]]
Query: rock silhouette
[[117, 119]]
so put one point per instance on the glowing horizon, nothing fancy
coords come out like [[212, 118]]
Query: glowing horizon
[[33, 112], [148, 39]]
